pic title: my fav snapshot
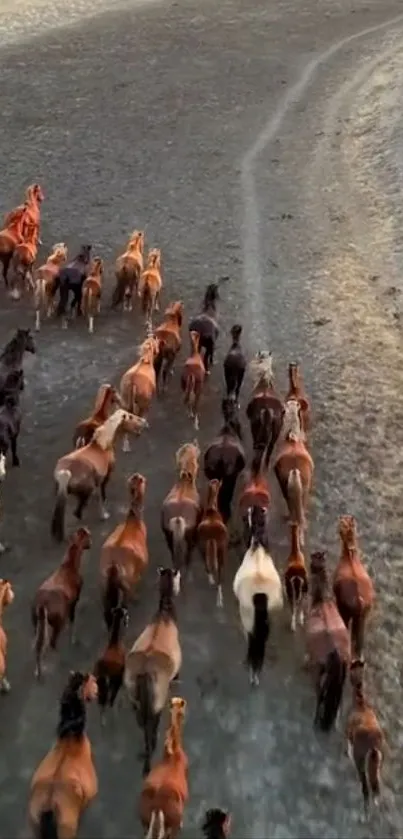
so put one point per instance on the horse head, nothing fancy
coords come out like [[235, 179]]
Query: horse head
[[34, 192], [211, 296], [169, 582], [81, 539], [59, 252], [154, 258], [6, 593], [84, 254], [137, 485], [261, 369], [348, 532]]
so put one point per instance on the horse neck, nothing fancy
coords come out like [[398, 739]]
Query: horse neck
[[12, 354], [136, 510], [2, 605], [166, 608], [319, 588], [210, 309], [173, 741], [186, 484], [349, 553], [56, 258], [264, 386], [295, 543], [214, 831], [72, 720], [72, 560], [359, 697], [105, 435], [212, 502]]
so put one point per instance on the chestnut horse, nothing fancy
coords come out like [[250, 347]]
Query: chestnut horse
[[192, 380], [165, 790], [296, 391], [296, 580], [293, 468], [65, 782], [92, 291], [110, 666], [10, 237], [106, 402], [265, 408], [24, 256], [6, 599], [32, 207], [327, 644], [352, 585], [181, 509], [57, 598], [153, 662], [44, 282], [254, 494], [150, 284], [86, 471], [225, 458], [365, 740], [168, 334], [139, 383], [124, 554], [128, 270], [213, 538]]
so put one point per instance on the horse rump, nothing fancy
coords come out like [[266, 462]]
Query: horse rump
[[331, 680], [257, 638], [47, 825]]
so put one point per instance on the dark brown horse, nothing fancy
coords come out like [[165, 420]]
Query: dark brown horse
[[206, 324], [235, 364], [265, 408], [225, 459]]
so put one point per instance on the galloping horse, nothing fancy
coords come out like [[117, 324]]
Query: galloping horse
[[352, 585], [110, 666], [87, 470], [294, 468], [44, 282], [296, 391], [254, 494], [107, 401], [153, 662], [365, 740], [150, 284], [168, 334], [213, 538], [10, 237], [265, 408], [32, 209], [225, 459], [296, 580], [192, 379], [181, 508], [65, 782], [92, 291], [6, 599], [139, 383], [12, 356], [71, 279], [206, 325], [235, 364], [24, 257], [128, 270]]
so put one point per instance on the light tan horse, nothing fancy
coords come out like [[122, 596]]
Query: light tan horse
[[153, 662], [92, 291], [181, 508], [138, 384], [44, 281], [86, 471], [6, 598], [150, 284], [128, 270], [65, 782]]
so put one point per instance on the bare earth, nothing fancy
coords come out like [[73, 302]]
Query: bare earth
[[142, 117]]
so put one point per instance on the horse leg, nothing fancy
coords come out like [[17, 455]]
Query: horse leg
[[72, 616], [13, 443], [115, 683], [168, 368], [102, 499], [83, 498], [6, 260]]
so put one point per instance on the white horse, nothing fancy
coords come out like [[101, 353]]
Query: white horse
[[258, 589]]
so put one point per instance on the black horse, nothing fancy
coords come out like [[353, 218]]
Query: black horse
[[71, 279], [12, 357], [234, 363], [225, 459], [206, 325], [14, 381], [10, 425]]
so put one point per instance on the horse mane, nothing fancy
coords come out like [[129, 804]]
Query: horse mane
[[213, 825], [72, 718], [261, 369], [103, 393], [101, 434], [172, 742], [187, 457], [166, 607]]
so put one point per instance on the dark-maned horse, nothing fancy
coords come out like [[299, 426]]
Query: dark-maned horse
[[10, 425], [12, 356], [234, 364], [265, 408], [13, 381], [71, 279], [206, 325], [225, 458]]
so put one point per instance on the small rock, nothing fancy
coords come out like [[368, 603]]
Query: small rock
[[321, 321]]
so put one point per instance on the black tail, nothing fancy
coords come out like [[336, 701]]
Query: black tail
[[225, 496], [47, 828], [257, 639], [64, 291], [112, 596], [40, 637], [146, 300], [147, 719], [330, 691]]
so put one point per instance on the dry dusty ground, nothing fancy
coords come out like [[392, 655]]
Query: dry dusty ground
[[142, 118]]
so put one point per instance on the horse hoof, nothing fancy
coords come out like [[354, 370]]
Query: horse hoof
[[105, 515], [5, 686], [16, 461]]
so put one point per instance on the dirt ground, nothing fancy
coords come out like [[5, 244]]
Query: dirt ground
[[143, 117]]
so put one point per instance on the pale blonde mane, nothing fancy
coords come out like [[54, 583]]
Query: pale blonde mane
[[104, 436], [292, 429], [172, 740], [261, 369], [187, 460], [147, 351], [154, 258]]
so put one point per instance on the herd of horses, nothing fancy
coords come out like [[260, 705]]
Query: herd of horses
[[234, 513]]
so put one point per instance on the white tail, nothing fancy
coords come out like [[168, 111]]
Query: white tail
[[156, 815]]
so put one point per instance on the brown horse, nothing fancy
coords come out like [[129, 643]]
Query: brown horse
[[6, 599], [181, 508], [165, 790], [293, 468], [65, 782], [10, 237], [139, 383], [44, 282], [213, 538], [150, 284], [110, 666], [217, 824], [153, 662], [92, 291], [24, 256], [265, 407], [33, 200], [168, 334], [106, 402], [296, 580], [296, 391], [365, 741], [352, 585], [124, 554], [328, 645], [192, 380], [57, 598], [255, 494], [128, 270], [225, 458], [86, 471]]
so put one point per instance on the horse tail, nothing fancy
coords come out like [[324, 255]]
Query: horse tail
[[41, 637], [190, 394], [373, 763], [331, 684], [257, 638], [112, 593], [157, 820], [146, 716], [62, 479], [146, 298], [177, 527], [128, 392], [212, 558], [64, 290], [295, 497], [47, 827]]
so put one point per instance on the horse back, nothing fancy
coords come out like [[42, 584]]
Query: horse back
[[166, 790], [224, 458], [326, 632]]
